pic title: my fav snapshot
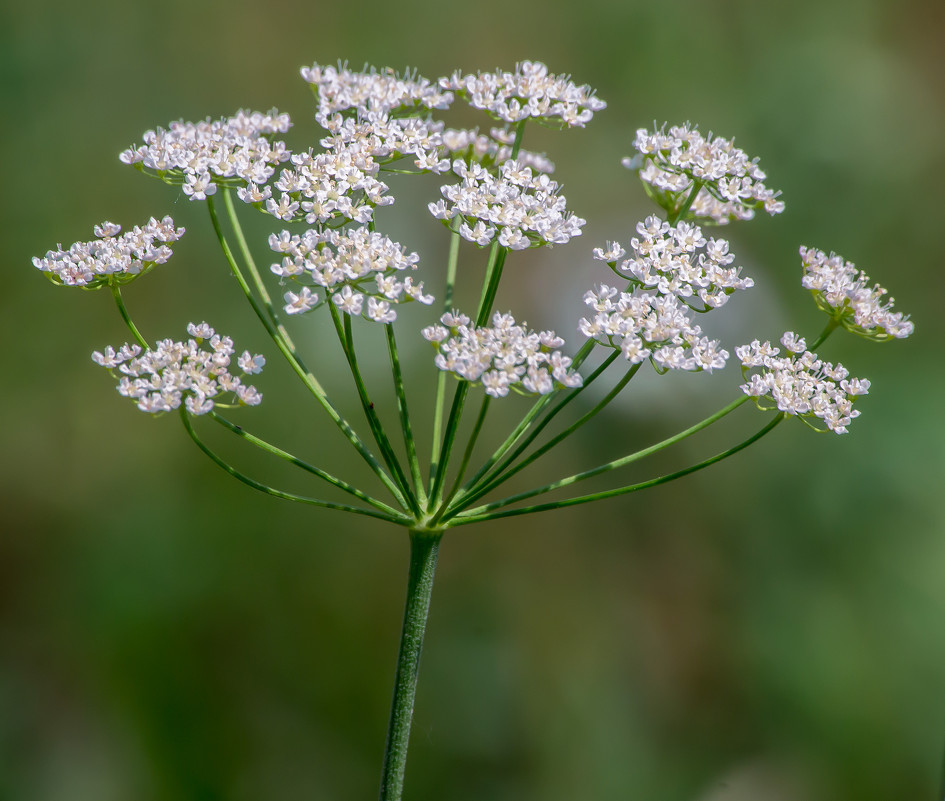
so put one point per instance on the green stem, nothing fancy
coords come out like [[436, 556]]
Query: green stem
[[477, 515], [116, 294], [346, 337], [316, 471], [452, 423], [185, 418], [470, 446], [306, 376], [441, 377], [405, 426], [830, 328], [424, 548], [539, 406], [502, 473], [491, 283], [605, 468], [696, 186]]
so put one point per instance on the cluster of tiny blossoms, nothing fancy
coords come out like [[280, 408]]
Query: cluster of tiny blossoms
[[799, 383], [92, 264], [347, 265], [193, 372], [845, 293], [501, 357], [372, 95], [380, 116], [678, 260], [340, 182], [523, 207], [732, 184], [203, 154], [670, 267], [644, 326], [529, 92]]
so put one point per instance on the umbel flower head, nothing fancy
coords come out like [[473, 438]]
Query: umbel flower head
[[369, 94], [530, 92], [799, 383], [672, 271], [846, 295], [113, 257], [678, 260], [502, 356], [195, 372], [523, 208], [347, 266], [731, 184], [379, 126], [234, 150]]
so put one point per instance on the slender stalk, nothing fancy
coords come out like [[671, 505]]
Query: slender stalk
[[470, 446], [441, 377], [116, 293], [830, 328], [409, 442], [539, 406], [502, 473], [452, 423], [696, 187], [346, 337], [306, 376], [316, 471], [257, 485], [424, 549], [476, 515], [491, 283], [248, 258], [604, 468]]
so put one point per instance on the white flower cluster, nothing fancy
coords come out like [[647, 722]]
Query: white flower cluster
[[644, 325], [372, 95], [845, 293], [732, 183], [90, 264], [339, 182], [525, 209], [670, 267], [386, 140], [206, 153], [195, 372], [529, 92], [347, 265], [799, 383], [501, 357], [678, 260], [383, 114], [494, 148]]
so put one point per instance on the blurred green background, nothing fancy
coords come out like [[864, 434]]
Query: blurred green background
[[771, 628]]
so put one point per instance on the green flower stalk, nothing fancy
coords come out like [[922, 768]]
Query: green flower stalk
[[497, 198]]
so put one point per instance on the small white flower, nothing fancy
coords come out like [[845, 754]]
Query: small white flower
[[348, 300], [251, 365]]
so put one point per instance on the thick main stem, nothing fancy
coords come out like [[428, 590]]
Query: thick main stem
[[424, 548]]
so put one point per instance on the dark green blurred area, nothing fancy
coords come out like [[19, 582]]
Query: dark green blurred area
[[769, 629]]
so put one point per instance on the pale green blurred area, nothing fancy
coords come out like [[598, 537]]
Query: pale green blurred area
[[769, 629]]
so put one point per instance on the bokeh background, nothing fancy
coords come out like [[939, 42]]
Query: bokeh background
[[771, 628]]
